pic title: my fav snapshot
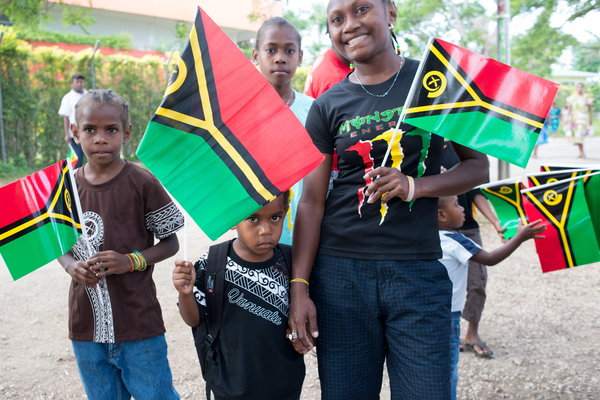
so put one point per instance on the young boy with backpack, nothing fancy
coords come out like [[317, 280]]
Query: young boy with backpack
[[236, 299]]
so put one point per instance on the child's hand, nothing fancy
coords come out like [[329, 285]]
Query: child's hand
[[81, 273], [532, 230], [109, 263], [500, 230], [184, 277]]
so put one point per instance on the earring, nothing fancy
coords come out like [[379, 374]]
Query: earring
[[391, 26]]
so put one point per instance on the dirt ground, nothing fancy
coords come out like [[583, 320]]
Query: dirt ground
[[544, 330]]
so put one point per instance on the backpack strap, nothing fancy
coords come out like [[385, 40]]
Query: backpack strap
[[215, 281]]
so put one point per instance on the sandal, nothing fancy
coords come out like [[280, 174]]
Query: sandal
[[484, 354]]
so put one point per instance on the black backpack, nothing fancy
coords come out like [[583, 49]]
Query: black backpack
[[207, 332]]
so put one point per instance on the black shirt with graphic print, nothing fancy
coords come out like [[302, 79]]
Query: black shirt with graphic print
[[359, 127]]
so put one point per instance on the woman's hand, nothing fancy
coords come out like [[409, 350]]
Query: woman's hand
[[303, 315], [387, 184]]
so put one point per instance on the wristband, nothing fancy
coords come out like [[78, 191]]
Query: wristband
[[138, 262], [411, 189], [299, 280]]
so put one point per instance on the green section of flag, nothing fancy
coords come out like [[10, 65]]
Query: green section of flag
[[507, 214], [592, 196], [483, 132], [581, 230], [196, 177], [37, 248]]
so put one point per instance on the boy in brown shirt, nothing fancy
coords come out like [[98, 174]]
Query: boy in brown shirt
[[115, 320]]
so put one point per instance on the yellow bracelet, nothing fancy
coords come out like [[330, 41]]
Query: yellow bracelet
[[299, 280]]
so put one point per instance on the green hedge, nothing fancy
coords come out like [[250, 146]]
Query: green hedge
[[33, 82]]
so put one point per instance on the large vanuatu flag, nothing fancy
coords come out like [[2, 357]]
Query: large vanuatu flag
[[478, 102], [506, 199], [38, 219], [222, 142], [569, 237]]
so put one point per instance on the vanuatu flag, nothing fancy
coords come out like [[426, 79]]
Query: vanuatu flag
[[506, 199], [222, 142], [38, 219], [478, 102], [569, 237], [591, 184]]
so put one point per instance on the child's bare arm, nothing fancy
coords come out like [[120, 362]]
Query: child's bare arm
[[530, 231], [482, 205], [110, 262], [79, 270], [184, 277]]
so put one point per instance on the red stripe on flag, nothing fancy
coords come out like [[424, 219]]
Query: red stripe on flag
[[528, 92], [254, 120], [548, 249], [27, 195]]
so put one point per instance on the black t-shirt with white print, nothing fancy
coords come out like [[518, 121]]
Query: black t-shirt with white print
[[255, 359], [358, 127]]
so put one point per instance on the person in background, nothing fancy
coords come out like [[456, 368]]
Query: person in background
[[327, 70], [67, 111], [278, 53], [579, 107], [476, 284]]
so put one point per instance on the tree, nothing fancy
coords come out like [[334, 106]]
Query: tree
[[540, 47], [24, 13], [587, 56], [312, 23], [465, 23]]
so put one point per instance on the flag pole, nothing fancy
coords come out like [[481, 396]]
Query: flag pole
[[411, 93], [551, 184], [83, 231]]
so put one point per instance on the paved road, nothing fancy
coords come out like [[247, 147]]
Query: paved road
[[557, 151]]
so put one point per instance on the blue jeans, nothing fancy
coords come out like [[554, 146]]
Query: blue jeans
[[117, 371], [455, 351]]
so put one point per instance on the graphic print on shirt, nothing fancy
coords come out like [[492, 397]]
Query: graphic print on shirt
[[104, 328], [270, 285], [365, 148]]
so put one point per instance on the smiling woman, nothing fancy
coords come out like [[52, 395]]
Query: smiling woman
[[370, 247]]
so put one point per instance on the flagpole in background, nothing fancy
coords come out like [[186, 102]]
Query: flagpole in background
[[503, 48], [83, 231]]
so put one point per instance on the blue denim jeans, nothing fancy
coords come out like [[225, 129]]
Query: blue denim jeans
[[455, 351], [117, 371]]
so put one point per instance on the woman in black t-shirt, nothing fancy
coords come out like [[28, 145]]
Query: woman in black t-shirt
[[369, 249]]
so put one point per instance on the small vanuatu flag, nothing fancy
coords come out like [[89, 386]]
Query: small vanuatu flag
[[478, 102], [506, 199], [569, 240], [222, 142], [38, 219], [591, 184]]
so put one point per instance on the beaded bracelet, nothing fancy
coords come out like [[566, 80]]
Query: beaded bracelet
[[299, 280]]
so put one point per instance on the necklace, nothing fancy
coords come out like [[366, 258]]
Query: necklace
[[393, 83], [287, 103]]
